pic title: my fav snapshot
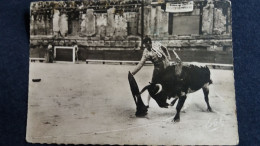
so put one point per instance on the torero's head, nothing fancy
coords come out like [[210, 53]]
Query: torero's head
[[147, 43]]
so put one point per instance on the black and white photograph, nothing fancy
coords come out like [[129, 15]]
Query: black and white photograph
[[131, 72]]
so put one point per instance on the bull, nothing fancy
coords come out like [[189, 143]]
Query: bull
[[193, 78]]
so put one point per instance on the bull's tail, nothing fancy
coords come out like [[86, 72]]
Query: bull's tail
[[208, 76]]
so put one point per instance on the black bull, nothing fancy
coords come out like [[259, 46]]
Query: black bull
[[169, 86]]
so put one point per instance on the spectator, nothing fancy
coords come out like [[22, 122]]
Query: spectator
[[77, 52], [50, 53]]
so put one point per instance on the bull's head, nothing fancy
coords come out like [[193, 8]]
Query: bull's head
[[157, 93], [153, 89]]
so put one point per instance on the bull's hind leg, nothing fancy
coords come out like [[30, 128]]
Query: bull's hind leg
[[178, 108], [205, 89]]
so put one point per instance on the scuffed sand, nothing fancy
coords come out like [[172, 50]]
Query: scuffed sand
[[93, 104]]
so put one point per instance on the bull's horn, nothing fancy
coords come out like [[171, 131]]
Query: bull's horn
[[160, 88], [146, 87]]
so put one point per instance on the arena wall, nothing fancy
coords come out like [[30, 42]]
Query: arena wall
[[116, 27]]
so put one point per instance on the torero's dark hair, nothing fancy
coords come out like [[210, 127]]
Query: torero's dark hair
[[147, 40]]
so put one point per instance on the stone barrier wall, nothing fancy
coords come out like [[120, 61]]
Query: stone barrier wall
[[117, 27]]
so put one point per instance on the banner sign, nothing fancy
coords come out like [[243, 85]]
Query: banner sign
[[176, 7]]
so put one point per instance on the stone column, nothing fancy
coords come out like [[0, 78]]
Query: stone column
[[164, 23], [55, 22], [120, 26], [90, 23], [83, 25], [63, 24], [110, 22], [219, 21], [207, 18], [101, 24]]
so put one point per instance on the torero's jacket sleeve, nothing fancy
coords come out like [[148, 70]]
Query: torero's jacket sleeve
[[141, 63]]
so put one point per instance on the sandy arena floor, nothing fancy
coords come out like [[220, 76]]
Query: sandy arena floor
[[93, 104]]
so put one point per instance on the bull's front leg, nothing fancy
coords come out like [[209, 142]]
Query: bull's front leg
[[178, 108]]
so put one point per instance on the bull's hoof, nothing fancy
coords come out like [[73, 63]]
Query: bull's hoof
[[209, 110], [140, 114], [176, 119]]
